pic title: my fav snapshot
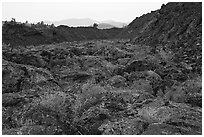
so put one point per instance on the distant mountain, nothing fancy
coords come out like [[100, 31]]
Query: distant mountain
[[75, 22], [115, 23], [105, 26]]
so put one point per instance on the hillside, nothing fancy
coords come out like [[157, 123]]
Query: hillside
[[176, 28], [21, 35]]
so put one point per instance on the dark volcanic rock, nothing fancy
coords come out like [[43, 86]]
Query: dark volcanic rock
[[22, 35], [139, 65], [117, 81], [150, 84], [93, 94], [11, 99], [177, 27], [25, 58], [194, 100], [76, 76], [12, 78]]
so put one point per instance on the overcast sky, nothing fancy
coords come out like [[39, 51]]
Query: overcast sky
[[38, 11]]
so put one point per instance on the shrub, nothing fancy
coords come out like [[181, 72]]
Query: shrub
[[96, 104], [53, 111]]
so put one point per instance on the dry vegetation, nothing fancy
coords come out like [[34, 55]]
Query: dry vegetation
[[108, 87]]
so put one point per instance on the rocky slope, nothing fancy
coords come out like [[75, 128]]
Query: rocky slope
[[101, 87], [176, 28], [97, 87]]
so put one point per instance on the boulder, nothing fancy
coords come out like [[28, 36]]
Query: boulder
[[123, 61], [151, 75], [155, 112], [139, 65], [142, 85], [117, 81], [156, 82], [176, 94], [134, 76], [76, 76]]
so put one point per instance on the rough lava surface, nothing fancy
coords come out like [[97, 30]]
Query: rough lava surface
[[101, 87]]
